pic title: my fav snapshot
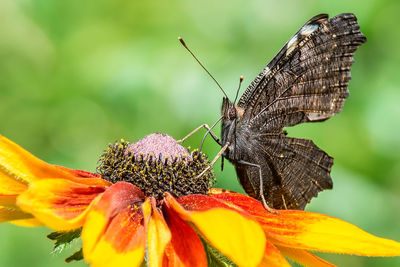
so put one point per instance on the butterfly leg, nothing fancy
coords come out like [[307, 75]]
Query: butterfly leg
[[209, 131], [214, 160], [261, 184]]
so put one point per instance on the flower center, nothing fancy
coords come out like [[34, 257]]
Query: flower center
[[157, 164]]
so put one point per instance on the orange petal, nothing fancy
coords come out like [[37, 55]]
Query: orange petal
[[158, 234], [273, 257], [304, 257], [21, 165], [79, 173], [185, 242], [10, 214], [8, 200], [312, 231], [230, 231], [171, 259], [9, 210], [113, 234], [58, 203]]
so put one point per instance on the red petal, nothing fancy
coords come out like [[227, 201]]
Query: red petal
[[203, 203], [185, 242], [247, 203]]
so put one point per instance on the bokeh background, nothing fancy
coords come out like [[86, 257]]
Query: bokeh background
[[77, 75]]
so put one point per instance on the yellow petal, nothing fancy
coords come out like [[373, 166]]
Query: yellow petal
[[311, 231], [238, 237], [304, 257], [158, 234], [9, 185], [27, 223]]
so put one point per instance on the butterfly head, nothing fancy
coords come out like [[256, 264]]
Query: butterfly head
[[230, 111], [231, 115]]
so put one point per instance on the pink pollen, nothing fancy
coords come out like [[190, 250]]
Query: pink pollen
[[157, 144]]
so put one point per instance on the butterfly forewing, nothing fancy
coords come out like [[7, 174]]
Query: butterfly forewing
[[307, 80], [266, 73]]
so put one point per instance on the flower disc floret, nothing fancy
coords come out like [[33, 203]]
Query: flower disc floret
[[157, 164]]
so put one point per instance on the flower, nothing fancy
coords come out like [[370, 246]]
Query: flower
[[157, 208]]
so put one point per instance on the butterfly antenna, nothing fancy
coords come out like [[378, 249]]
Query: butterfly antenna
[[237, 91], [198, 61]]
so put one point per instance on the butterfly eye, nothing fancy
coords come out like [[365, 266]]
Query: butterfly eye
[[232, 113]]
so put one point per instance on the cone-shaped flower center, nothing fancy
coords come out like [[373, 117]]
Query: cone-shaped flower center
[[157, 164], [162, 145]]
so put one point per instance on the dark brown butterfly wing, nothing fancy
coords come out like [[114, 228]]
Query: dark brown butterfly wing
[[305, 169], [306, 81], [308, 78], [293, 170]]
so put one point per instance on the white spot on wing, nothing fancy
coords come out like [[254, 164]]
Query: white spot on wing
[[315, 116], [308, 29], [291, 45]]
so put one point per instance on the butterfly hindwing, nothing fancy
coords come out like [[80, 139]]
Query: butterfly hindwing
[[302, 170], [293, 170]]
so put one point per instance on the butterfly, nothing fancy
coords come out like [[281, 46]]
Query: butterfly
[[305, 82]]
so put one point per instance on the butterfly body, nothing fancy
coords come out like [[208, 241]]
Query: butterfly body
[[305, 82]]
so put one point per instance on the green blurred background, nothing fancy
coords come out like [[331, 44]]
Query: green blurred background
[[76, 75]]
